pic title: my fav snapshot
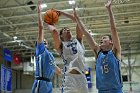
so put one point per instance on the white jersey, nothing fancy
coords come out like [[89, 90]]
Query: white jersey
[[73, 53]]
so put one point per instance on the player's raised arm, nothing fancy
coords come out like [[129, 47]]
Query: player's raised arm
[[94, 46], [115, 37], [56, 38], [51, 18], [79, 34], [40, 23], [61, 13]]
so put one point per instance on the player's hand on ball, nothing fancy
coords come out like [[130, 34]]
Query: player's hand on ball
[[51, 27]]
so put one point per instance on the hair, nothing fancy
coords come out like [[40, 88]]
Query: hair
[[110, 37], [61, 31]]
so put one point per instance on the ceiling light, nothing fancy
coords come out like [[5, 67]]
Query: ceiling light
[[43, 6], [15, 37], [71, 2], [91, 33], [67, 10]]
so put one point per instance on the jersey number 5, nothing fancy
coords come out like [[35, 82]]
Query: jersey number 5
[[74, 50]]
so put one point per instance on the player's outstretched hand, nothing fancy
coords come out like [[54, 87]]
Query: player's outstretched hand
[[108, 4]]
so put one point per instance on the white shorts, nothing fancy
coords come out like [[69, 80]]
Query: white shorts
[[75, 83]]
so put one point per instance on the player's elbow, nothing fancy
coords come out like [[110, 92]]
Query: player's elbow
[[58, 71]]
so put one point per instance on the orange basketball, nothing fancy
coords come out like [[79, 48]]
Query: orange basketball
[[51, 16]]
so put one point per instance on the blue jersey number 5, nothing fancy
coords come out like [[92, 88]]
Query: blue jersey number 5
[[74, 50]]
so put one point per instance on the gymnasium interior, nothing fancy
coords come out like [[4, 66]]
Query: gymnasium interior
[[19, 31]]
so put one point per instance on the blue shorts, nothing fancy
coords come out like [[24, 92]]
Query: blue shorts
[[41, 86], [111, 91]]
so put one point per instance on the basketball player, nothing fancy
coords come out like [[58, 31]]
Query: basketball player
[[45, 62], [108, 56], [72, 52]]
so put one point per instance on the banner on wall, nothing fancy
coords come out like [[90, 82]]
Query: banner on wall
[[16, 59], [7, 55], [3, 78], [9, 79], [6, 79]]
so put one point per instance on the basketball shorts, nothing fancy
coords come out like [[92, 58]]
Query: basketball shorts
[[75, 83], [41, 86]]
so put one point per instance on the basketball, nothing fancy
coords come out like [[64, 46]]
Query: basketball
[[51, 16]]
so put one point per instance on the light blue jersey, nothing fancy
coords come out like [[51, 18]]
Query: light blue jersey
[[108, 75], [45, 69]]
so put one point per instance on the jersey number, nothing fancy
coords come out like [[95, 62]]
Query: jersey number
[[74, 50], [105, 68]]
